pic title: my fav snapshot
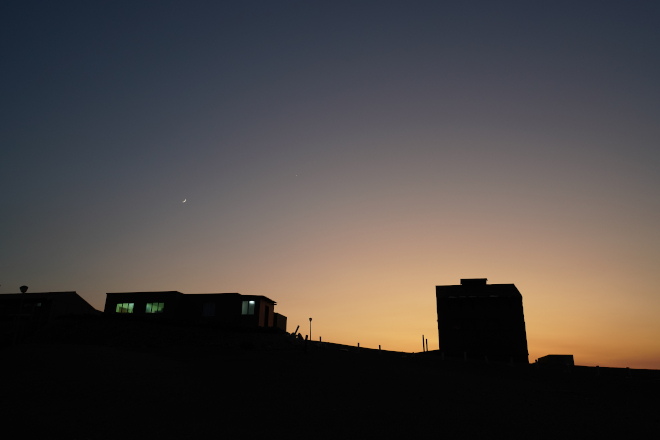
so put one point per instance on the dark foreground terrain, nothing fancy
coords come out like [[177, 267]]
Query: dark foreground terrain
[[81, 383]]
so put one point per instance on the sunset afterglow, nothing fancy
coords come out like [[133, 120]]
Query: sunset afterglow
[[343, 159]]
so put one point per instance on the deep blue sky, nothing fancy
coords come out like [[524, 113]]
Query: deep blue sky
[[332, 151]]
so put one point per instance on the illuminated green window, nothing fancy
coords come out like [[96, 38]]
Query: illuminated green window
[[248, 308], [125, 308], [155, 307]]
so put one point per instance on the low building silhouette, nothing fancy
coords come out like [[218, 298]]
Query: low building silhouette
[[557, 359], [23, 314], [482, 321], [232, 309]]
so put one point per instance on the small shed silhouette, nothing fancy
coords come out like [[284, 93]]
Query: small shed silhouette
[[557, 359]]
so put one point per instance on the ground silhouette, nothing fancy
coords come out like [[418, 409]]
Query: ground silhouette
[[76, 386]]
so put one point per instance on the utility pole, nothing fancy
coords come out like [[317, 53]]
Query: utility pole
[[310, 329]]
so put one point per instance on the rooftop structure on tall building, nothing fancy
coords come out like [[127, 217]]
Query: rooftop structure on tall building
[[232, 309], [478, 321]]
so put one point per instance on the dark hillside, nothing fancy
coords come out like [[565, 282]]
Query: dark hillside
[[109, 379]]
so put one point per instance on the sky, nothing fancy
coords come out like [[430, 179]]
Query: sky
[[342, 158]]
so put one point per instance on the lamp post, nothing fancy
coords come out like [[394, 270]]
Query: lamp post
[[310, 329]]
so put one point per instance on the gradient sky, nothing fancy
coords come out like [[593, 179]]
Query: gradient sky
[[343, 159]]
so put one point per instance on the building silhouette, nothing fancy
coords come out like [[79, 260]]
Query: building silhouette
[[557, 359], [23, 314], [232, 309], [482, 321]]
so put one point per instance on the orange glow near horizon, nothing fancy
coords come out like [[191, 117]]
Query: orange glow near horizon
[[364, 264], [343, 159], [375, 286]]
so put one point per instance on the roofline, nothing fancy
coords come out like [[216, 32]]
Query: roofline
[[40, 293], [154, 291], [191, 294], [262, 297], [482, 285]]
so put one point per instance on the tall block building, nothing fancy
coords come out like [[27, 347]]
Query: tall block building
[[476, 319]]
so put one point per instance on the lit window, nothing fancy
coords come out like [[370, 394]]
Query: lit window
[[248, 308], [155, 307], [125, 308]]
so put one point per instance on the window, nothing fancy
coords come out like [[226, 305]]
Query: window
[[125, 308], [155, 307], [248, 308], [209, 309]]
